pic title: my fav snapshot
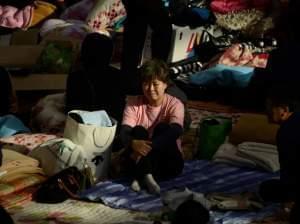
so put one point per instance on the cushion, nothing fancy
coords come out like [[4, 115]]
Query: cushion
[[254, 128]]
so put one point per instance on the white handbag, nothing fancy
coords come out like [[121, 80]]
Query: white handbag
[[96, 140]]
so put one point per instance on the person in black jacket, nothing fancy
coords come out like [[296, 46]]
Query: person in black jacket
[[282, 66], [140, 14], [283, 108], [95, 85]]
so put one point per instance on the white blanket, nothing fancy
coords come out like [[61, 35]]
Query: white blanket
[[249, 154]]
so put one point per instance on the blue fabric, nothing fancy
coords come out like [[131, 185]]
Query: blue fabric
[[11, 125], [99, 118], [199, 176], [203, 13], [223, 76]]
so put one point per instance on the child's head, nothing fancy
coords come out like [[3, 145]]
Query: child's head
[[96, 51], [191, 212], [282, 101]]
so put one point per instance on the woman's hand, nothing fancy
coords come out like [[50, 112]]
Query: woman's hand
[[141, 147]]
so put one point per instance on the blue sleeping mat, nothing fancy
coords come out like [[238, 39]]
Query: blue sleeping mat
[[199, 176]]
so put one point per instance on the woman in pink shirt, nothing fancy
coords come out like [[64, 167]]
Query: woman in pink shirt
[[151, 127]]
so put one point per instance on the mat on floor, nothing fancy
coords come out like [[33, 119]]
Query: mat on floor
[[199, 176]]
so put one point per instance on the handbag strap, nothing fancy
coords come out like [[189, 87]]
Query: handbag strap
[[73, 181], [98, 145]]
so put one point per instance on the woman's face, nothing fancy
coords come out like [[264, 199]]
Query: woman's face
[[154, 91]]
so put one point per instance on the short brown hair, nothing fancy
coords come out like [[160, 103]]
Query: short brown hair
[[155, 69]]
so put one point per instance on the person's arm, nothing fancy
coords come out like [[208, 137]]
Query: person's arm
[[141, 146], [128, 122], [125, 135]]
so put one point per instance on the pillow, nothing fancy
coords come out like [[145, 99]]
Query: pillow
[[253, 128]]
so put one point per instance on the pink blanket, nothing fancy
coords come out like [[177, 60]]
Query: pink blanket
[[13, 17]]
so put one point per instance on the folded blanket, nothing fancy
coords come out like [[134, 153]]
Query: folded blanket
[[12, 17], [19, 199], [264, 155], [20, 184], [227, 153], [249, 154], [16, 165]]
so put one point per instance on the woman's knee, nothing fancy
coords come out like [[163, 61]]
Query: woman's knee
[[160, 128], [140, 132]]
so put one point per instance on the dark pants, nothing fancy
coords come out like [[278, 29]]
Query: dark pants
[[273, 191], [140, 14], [295, 213], [5, 92], [162, 163], [276, 191]]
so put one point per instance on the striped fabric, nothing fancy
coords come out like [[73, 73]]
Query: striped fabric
[[199, 176]]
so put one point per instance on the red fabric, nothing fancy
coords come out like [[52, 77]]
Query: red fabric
[[226, 6], [237, 55]]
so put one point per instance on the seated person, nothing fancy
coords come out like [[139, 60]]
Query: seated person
[[95, 85], [283, 108], [151, 127]]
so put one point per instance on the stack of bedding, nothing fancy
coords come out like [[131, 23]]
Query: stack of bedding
[[18, 175]]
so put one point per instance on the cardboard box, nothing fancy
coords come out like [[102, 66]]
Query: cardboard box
[[183, 41], [23, 52]]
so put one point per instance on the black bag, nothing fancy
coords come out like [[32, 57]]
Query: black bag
[[66, 184]]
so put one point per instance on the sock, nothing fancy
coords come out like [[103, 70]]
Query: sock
[[152, 185], [135, 186]]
